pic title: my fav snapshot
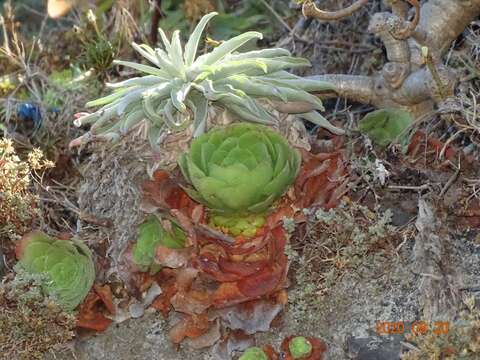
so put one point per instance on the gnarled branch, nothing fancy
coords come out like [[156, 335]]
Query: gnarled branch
[[416, 93], [410, 26], [309, 9], [399, 8], [405, 81], [353, 87]]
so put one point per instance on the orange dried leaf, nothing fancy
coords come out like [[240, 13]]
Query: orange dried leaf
[[190, 326], [105, 294], [428, 149], [90, 314], [270, 352], [263, 283], [227, 294], [320, 175], [163, 302], [192, 301]]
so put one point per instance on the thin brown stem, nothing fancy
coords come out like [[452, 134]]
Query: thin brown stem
[[156, 16], [311, 10]]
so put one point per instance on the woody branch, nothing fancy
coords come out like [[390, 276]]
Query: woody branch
[[405, 80]]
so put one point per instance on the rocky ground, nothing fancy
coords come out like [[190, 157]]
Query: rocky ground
[[345, 318]]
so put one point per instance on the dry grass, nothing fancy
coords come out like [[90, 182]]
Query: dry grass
[[464, 56], [461, 342], [31, 324], [18, 203], [342, 47], [341, 240]]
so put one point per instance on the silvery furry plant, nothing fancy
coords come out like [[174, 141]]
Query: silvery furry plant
[[176, 90]]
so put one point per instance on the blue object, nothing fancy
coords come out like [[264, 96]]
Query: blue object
[[30, 112]]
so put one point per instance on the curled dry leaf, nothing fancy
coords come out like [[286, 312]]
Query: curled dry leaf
[[271, 353], [250, 317], [190, 326], [322, 180], [191, 302], [206, 340], [168, 280], [105, 294], [164, 192], [234, 341], [428, 150], [91, 312], [191, 298], [172, 258]]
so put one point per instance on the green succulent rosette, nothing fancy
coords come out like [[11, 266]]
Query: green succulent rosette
[[387, 126], [254, 353], [67, 263], [240, 169], [300, 347], [152, 234]]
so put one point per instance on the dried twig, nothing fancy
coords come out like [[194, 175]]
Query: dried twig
[[450, 181], [157, 14], [206, 230], [406, 187], [277, 16]]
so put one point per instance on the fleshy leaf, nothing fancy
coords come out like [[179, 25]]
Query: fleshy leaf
[[226, 48], [151, 235], [68, 264], [386, 126], [319, 120], [233, 171], [254, 353], [177, 89], [192, 44]]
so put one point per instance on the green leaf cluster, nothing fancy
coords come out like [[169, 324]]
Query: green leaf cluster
[[254, 353], [386, 126], [300, 347], [151, 234], [67, 263], [176, 90], [240, 169], [238, 225]]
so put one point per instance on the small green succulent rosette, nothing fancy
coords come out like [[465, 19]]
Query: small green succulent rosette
[[238, 225], [67, 263], [151, 234], [238, 172], [386, 126], [254, 353], [300, 347]]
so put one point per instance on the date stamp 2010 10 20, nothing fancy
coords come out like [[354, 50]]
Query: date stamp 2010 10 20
[[415, 327]]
